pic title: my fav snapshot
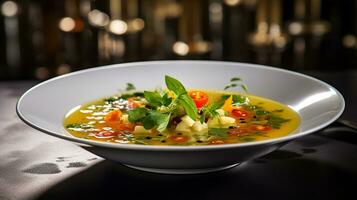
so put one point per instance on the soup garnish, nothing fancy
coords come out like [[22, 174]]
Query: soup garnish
[[176, 116]]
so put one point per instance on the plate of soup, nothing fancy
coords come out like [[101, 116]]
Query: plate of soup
[[181, 117]]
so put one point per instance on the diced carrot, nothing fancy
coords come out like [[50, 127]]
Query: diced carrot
[[113, 116], [126, 127], [132, 103]]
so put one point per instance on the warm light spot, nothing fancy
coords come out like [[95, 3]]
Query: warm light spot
[[9, 9], [232, 2], [42, 73], [118, 27], [98, 18], [67, 24], [349, 41], [280, 41], [295, 28], [202, 47], [216, 14], [63, 69], [319, 28], [180, 48], [215, 8], [136, 25], [173, 10]]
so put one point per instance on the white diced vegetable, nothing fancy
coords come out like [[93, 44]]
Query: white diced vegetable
[[197, 126], [187, 120], [227, 120], [183, 127], [213, 122], [141, 130], [221, 112]]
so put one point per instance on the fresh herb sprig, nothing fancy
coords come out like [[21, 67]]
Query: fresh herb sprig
[[236, 81], [210, 111], [182, 98], [164, 106]]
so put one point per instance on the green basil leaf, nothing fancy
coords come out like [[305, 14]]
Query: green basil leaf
[[153, 98], [148, 122], [137, 114], [163, 121], [155, 118], [110, 99], [174, 85], [189, 106], [166, 100]]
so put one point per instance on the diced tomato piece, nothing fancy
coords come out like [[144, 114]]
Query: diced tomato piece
[[132, 103], [239, 113], [200, 98]]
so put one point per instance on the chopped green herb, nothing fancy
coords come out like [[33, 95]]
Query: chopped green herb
[[233, 84], [236, 99], [210, 110], [130, 86], [278, 110], [79, 126], [276, 121], [218, 132], [261, 112], [244, 87], [73, 126], [235, 79], [110, 99], [246, 139]]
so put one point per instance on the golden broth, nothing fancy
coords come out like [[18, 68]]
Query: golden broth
[[89, 122]]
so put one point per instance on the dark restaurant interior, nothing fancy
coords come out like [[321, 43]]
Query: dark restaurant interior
[[43, 39]]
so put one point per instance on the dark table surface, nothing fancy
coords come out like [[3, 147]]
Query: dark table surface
[[34, 165]]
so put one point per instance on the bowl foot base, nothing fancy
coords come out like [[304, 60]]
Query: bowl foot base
[[182, 171]]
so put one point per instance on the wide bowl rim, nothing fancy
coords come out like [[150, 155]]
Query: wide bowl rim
[[85, 142]]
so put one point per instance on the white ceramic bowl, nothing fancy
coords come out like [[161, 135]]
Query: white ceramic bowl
[[44, 106]]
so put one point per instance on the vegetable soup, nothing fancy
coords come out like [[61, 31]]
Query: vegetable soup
[[176, 116]]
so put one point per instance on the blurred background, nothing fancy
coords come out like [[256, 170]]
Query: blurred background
[[40, 39]]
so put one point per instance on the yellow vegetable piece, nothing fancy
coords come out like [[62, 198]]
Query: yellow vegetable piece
[[227, 106]]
